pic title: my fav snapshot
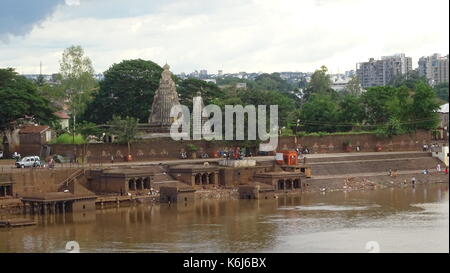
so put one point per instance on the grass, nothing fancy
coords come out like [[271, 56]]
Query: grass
[[68, 139]]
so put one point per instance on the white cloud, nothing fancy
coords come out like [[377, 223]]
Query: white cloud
[[72, 2], [240, 35]]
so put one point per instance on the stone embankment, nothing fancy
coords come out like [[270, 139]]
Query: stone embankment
[[367, 172]]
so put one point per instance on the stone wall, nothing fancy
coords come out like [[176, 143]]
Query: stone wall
[[366, 142], [166, 148], [28, 181]]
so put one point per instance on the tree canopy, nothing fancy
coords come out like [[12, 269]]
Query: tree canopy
[[19, 97], [76, 79], [320, 83], [127, 90]]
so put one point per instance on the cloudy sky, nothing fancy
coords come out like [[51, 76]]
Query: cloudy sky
[[232, 35]]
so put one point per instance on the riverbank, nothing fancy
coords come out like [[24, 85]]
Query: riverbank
[[330, 172]]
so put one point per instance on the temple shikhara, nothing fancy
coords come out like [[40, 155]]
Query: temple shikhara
[[165, 98]]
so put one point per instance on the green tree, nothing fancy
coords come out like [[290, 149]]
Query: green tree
[[189, 88], [273, 82], [351, 112], [77, 79], [375, 100], [319, 114], [127, 90], [391, 128], [424, 107], [320, 83], [125, 129], [54, 92], [353, 87], [441, 90], [19, 97]]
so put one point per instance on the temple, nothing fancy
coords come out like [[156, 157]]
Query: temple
[[165, 98]]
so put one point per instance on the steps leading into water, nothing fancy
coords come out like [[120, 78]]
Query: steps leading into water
[[373, 163]]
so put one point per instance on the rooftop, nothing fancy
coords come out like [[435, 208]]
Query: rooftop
[[33, 129], [61, 115]]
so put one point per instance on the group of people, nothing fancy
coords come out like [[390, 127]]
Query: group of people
[[235, 154], [432, 147], [302, 150], [393, 173]]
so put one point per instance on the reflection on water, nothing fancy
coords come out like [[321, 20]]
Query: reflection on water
[[400, 220]]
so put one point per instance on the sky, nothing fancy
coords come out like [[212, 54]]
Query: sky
[[229, 35]]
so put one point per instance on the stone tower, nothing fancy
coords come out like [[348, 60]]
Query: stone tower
[[165, 97]]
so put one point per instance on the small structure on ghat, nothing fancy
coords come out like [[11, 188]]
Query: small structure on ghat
[[6, 186], [58, 202]]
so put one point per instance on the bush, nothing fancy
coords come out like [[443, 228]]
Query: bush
[[68, 139], [192, 148]]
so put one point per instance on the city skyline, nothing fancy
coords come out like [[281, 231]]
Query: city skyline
[[232, 36]]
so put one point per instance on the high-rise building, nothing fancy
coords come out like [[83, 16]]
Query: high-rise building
[[434, 68], [203, 74], [384, 71]]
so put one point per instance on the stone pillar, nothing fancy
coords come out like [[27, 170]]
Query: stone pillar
[[134, 185], [216, 179], [63, 207]]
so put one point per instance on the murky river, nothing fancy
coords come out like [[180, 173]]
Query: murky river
[[396, 220]]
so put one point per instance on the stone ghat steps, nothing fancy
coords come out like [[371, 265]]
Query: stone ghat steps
[[374, 156], [162, 177], [338, 182], [373, 166]]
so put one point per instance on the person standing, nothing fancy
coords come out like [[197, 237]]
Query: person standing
[[438, 168]]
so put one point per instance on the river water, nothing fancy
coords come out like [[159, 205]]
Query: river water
[[389, 220]]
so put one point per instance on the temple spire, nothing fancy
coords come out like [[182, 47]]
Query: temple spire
[[165, 98]]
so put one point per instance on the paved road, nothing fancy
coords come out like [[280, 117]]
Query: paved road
[[200, 160]]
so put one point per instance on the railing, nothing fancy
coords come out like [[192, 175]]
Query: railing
[[71, 178]]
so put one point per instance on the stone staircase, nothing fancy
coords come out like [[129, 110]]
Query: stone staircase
[[372, 163], [75, 183]]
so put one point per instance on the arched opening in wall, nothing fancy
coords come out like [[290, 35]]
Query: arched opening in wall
[[131, 185], [211, 179], [281, 184], [288, 184], [139, 184], [205, 179], [296, 183], [147, 183], [198, 179]]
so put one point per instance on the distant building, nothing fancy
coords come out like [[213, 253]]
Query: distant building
[[384, 71], [434, 68], [339, 83], [210, 80], [63, 119], [443, 124], [32, 137]]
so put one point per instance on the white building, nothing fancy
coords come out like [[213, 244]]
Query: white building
[[434, 68]]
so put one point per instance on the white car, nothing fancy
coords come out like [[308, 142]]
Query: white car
[[1, 154], [29, 161]]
